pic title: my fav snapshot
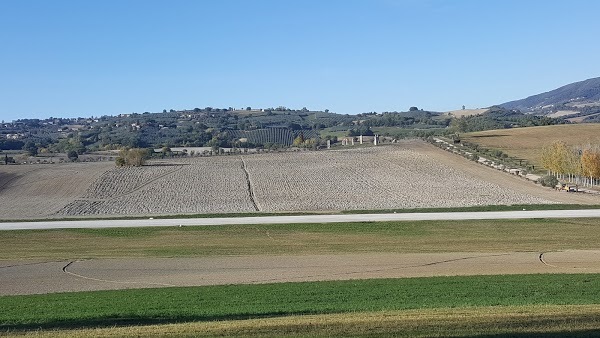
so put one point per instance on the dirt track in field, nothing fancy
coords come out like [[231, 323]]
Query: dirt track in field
[[34, 277]]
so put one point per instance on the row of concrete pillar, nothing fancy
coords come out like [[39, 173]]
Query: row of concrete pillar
[[350, 141]]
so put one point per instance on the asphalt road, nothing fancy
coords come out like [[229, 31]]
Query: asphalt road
[[301, 219]]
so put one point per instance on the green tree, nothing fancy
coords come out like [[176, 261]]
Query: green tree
[[31, 148], [72, 155], [166, 151], [459, 125]]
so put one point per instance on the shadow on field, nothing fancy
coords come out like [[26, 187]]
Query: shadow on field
[[115, 322], [554, 334], [104, 322], [5, 179], [489, 135]]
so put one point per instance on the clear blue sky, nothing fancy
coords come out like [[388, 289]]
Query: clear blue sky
[[84, 58]]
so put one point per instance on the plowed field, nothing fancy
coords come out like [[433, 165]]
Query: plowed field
[[411, 174]]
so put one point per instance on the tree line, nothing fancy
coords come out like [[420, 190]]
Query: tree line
[[579, 164]]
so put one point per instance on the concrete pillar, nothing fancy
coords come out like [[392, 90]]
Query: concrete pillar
[[360, 139], [328, 144]]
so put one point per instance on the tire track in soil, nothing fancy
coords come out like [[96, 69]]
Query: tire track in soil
[[28, 264], [137, 188], [388, 269], [249, 183], [65, 270], [541, 257]]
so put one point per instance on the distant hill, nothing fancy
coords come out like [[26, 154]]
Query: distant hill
[[466, 112], [574, 98]]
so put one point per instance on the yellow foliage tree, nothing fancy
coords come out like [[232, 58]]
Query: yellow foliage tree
[[132, 157], [299, 141], [590, 163], [556, 157], [546, 158]]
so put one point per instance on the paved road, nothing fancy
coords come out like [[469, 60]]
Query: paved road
[[302, 219]]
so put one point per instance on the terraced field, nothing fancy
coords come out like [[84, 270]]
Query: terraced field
[[411, 174]]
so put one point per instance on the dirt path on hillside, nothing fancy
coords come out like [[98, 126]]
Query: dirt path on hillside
[[35, 277], [502, 178]]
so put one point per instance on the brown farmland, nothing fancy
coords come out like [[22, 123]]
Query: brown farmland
[[125, 273], [527, 143], [411, 174]]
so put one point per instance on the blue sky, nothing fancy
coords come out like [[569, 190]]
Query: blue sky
[[84, 58]]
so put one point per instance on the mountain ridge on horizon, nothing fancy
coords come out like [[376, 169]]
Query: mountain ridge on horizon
[[573, 96]]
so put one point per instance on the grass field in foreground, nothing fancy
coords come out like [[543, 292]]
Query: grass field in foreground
[[235, 302], [402, 237], [499, 321]]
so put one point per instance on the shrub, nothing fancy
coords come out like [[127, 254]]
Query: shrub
[[132, 157], [72, 155], [496, 153], [548, 181]]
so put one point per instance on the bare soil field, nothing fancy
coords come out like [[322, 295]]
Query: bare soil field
[[198, 185], [411, 174], [561, 113], [580, 118], [42, 190], [501, 178], [32, 277]]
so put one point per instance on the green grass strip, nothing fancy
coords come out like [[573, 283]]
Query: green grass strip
[[154, 306], [532, 235], [515, 207]]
